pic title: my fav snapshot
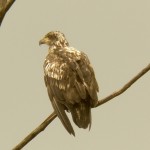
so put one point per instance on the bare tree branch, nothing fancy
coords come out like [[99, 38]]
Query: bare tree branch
[[4, 7], [125, 87], [35, 132], [102, 101]]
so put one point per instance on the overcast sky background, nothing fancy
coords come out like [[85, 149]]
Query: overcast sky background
[[116, 37]]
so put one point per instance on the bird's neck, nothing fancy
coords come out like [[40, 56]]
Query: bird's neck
[[55, 49]]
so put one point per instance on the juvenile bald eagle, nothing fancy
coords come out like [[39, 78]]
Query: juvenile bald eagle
[[70, 81]]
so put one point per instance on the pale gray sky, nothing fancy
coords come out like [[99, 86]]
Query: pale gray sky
[[116, 37]]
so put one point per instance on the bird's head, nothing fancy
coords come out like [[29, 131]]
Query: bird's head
[[54, 38]]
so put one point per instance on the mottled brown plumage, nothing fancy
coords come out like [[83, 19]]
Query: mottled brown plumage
[[70, 81]]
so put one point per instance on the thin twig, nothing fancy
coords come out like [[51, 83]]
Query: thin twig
[[35, 132], [125, 87], [102, 101], [4, 10]]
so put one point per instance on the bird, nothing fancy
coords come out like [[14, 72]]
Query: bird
[[70, 81]]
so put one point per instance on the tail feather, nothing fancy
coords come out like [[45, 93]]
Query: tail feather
[[62, 116], [81, 114]]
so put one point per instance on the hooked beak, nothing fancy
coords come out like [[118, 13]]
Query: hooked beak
[[45, 40], [42, 41]]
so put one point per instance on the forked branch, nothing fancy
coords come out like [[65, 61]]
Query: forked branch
[[41, 127]]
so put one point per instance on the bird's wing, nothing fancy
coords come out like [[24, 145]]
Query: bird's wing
[[85, 79], [55, 83], [89, 76]]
